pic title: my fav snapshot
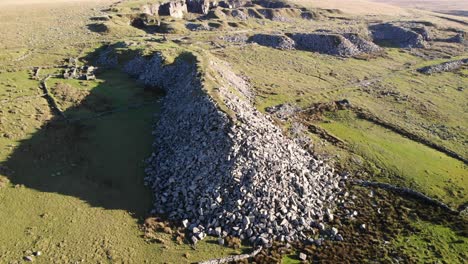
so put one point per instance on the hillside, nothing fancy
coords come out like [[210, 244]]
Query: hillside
[[267, 131]]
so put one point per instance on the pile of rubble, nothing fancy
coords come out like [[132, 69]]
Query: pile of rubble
[[274, 41], [230, 175], [79, 72], [444, 67], [399, 36], [346, 44]]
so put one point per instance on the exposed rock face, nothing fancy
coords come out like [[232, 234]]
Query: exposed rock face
[[150, 9], [331, 44], [242, 178], [444, 67], [233, 3], [274, 41], [175, 9], [397, 36], [201, 6]]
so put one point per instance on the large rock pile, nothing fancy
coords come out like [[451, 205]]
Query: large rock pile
[[332, 44], [346, 44], [398, 36], [274, 41], [444, 67], [235, 175]]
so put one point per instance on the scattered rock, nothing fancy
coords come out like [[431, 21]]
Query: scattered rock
[[302, 256], [444, 67]]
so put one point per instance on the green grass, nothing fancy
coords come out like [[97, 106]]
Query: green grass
[[431, 171], [76, 190], [432, 242]]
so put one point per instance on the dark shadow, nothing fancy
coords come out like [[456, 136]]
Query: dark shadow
[[97, 158], [97, 27]]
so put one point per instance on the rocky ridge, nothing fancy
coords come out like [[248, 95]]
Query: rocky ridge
[[230, 175]]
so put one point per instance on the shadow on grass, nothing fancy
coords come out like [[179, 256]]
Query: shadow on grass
[[99, 160]]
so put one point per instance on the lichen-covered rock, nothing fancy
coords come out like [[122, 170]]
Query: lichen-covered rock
[[176, 8], [237, 174], [274, 41], [444, 67], [397, 36], [332, 44]]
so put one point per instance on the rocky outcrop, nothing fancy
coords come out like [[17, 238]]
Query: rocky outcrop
[[274, 41], [362, 44], [150, 9], [201, 6], [233, 174], [175, 9], [398, 36], [347, 44], [332, 44], [444, 67]]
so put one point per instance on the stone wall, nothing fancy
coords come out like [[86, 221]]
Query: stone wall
[[444, 67]]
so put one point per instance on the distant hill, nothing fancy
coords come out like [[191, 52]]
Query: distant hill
[[453, 7]]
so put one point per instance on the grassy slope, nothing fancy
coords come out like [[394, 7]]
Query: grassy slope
[[432, 172], [83, 193]]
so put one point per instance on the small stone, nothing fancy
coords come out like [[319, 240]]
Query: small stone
[[221, 241], [37, 253], [302, 256], [185, 223], [194, 240], [28, 258], [362, 226], [334, 231], [339, 237]]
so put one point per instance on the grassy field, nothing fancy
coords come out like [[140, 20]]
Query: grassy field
[[428, 170], [76, 190]]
